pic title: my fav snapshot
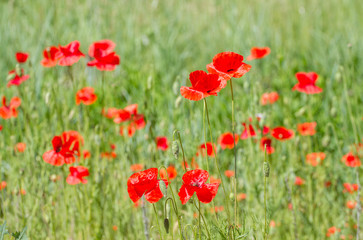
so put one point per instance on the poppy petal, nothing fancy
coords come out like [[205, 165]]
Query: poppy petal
[[207, 192]]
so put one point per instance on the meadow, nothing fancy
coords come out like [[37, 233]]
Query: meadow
[[282, 195]]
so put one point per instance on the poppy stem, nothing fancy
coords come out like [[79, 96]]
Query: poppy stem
[[146, 220], [181, 145], [216, 163], [266, 170], [205, 223], [205, 139], [157, 221]]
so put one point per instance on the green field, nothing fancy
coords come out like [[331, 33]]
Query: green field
[[160, 43]]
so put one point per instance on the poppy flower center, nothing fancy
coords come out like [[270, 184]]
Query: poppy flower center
[[196, 184], [58, 149]]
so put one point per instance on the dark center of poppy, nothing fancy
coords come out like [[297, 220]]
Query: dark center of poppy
[[58, 149]]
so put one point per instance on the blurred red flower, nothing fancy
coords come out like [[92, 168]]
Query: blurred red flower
[[282, 133], [351, 204], [137, 167], [307, 83], [203, 85], [258, 52], [162, 143], [269, 98], [70, 54], [105, 59], [226, 140], [172, 173], [315, 158], [241, 196], [228, 65], [86, 96], [306, 129], [21, 57], [248, 131], [9, 111], [265, 141], [50, 57], [229, 173], [86, 154], [351, 160], [350, 187], [210, 150], [16, 80], [145, 182], [77, 175], [332, 230], [299, 181], [195, 181], [3, 185], [20, 147]]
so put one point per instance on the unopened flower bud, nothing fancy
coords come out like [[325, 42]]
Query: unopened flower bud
[[166, 225], [266, 169], [175, 149]]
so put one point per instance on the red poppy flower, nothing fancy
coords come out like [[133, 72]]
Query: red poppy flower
[[3, 185], [265, 141], [241, 196], [281, 133], [265, 130], [229, 173], [108, 155], [351, 160], [86, 154], [1, 127], [105, 59], [9, 111], [86, 96], [145, 182], [20, 147], [110, 113], [16, 80], [315, 158], [137, 122], [77, 175], [50, 57], [195, 181], [228, 65], [172, 173], [248, 131], [70, 54], [137, 167], [226, 140], [21, 57], [210, 150], [269, 98], [257, 53], [351, 204], [307, 83], [122, 115], [65, 148], [162, 143], [332, 231], [306, 129], [203, 85], [350, 187], [299, 181]]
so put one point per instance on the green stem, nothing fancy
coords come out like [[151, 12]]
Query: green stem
[[205, 223], [157, 221]]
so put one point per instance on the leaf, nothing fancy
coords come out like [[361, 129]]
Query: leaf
[[20, 235], [3, 231]]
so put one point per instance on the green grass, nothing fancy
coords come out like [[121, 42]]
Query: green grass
[[160, 43]]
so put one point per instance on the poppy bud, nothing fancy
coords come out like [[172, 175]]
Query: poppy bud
[[162, 186], [266, 169], [166, 225], [175, 149], [18, 70]]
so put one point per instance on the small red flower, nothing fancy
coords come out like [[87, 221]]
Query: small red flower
[[65, 147], [195, 181], [306, 129], [145, 182], [20, 147], [210, 150], [258, 52], [226, 140], [350, 187], [228, 65], [137, 167], [351, 160], [1, 127], [105, 59], [248, 131], [77, 175], [203, 85], [307, 83], [265, 141], [229, 173], [70, 54], [269, 98], [241, 196], [282, 133], [50, 57], [86, 96], [3, 185], [351, 204], [110, 113], [299, 181], [172, 173], [332, 231], [162, 143], [86, 154], [9, 111], [21, 57], [315, 158], [16, 80]]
